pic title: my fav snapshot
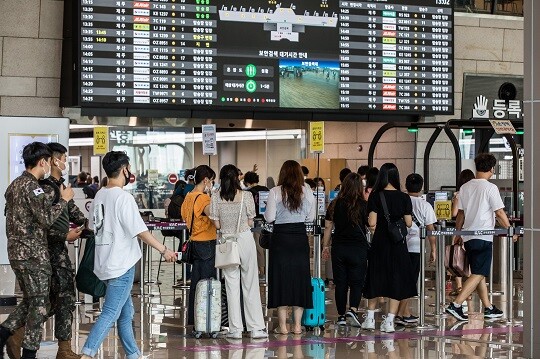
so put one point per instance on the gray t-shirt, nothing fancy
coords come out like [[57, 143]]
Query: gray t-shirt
[[227, 212]]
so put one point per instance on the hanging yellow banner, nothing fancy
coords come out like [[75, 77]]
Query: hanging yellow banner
[[316, 134], [101, 140]]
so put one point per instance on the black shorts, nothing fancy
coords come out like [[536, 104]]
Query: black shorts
[[415, 260], [480, 254]]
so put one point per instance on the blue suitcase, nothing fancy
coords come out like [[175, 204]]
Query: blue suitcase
[[316, 317]]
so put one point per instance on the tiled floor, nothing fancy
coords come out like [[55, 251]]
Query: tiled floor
[[160, 327]]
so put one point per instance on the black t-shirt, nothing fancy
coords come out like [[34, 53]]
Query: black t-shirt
[[399, 204], [255, 192], [344, 230]]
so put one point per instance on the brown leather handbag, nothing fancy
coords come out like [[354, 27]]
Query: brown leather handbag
[[455, 260]]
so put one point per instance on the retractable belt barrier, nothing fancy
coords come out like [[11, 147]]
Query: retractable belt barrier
[[439, 289]]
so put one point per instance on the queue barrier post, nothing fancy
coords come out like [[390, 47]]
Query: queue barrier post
[[422, 297], [76, 246], [440, 274], [184, 284]]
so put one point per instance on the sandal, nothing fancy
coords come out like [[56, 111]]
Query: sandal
[[279, 332], [300, 332]]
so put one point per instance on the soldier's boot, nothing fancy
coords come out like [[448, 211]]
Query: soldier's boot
[[64, 350], [4, 336], [14, 344]]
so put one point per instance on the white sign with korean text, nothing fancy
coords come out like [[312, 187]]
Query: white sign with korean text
[[209, 142]]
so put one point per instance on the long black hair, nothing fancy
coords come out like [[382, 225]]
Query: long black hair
[[229, 182], [388, 174], [351, 194]]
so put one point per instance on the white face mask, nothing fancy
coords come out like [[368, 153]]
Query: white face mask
[[65, 171], [364, 182], [47, 173]]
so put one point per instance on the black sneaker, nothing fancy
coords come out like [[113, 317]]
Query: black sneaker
[[341, 320], [352, 316], [399, 321], [410, 320], [493, 313], [456, 312]]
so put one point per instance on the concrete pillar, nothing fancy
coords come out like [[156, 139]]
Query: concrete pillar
[[531, 96]]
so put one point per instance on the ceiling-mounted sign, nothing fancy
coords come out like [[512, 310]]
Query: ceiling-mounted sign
[[499, 109], [316, 133], [503, 127], [209, 142], [101, 140]]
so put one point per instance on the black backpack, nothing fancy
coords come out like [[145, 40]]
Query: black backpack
[[176, 204]]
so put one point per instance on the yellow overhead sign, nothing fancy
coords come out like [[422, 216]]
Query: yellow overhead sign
[[101, 140], [316, 133], [443, 210]]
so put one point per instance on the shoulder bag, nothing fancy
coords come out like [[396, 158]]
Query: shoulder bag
[[85, 279], [187, 247], [227, 254], [396, 229], [265, 237], [455, 260]]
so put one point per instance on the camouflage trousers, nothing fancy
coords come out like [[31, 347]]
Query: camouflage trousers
[[62, 294], [34, 280]]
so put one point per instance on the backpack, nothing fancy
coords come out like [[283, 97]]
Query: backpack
[[176, 204]]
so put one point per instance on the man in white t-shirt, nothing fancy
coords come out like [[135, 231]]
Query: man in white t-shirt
[[117, 224], [479, 205], [423, 216]]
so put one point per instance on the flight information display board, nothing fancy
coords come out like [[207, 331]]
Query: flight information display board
[[319, 55]]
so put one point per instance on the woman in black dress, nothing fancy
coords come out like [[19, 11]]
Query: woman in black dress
[[347, 215], [289, 206], [390, 272]]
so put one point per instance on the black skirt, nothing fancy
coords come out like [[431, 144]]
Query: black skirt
[[390, 270], [289, 278]]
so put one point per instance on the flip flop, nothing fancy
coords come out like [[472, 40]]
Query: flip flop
[[299, 333], [279, 332]]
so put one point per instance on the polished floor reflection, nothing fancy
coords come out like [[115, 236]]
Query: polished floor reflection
[[160, 328]]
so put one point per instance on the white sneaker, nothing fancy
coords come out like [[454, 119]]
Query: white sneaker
[[368, 324], [387, 326], [234, 335], [259, 334], [370, 346], [388, 344]]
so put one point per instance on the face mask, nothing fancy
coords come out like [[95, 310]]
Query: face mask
[[127, 177], [364, 182], [65, 171], [47, 173]]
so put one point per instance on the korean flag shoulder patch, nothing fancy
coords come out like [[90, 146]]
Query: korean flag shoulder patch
[[38, 191]]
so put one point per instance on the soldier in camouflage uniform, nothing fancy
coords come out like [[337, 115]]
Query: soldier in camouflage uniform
[[62, 293], [29, 215]]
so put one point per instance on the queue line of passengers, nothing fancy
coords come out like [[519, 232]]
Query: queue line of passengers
[[373, 270]]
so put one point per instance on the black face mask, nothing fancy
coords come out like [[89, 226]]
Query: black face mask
[[126, 178]]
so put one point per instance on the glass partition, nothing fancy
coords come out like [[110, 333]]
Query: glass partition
[[500, 7]]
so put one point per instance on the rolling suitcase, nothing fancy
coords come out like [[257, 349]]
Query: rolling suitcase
[[208, 308], [316, 317]]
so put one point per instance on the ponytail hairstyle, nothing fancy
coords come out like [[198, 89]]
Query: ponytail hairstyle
[[202, 172], [229, 182]]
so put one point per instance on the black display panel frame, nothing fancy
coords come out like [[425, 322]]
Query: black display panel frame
[[71, 85]]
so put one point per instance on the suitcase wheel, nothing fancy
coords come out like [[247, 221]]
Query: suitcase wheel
[[322, 328], [214, 335], [197, 335], [309, 329]]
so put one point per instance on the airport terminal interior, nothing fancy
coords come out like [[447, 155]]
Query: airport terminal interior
[[426, 85]]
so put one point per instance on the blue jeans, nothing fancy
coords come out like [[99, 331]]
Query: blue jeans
[[117, 308]]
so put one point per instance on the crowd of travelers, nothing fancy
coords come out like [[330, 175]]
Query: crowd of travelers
[[366, 259]]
